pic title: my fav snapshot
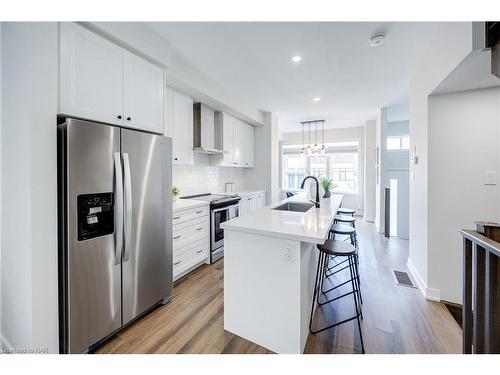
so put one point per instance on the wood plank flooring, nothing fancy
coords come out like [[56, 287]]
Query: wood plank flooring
[[397, 319]]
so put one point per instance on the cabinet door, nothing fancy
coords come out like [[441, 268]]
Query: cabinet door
[[248, 146], [142, 94], [182, 129], [90, 75], [228, 140], [238, 143], [167, 111]]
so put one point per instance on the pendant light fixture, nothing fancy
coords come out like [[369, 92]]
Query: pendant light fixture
[[313, 149]]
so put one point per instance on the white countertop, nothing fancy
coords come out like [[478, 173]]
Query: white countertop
[[182, 204], [312, 226]]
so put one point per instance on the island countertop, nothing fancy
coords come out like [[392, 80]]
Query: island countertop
[[312, 226]]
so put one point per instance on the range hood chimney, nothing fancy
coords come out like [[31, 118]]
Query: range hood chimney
[[204, 130]]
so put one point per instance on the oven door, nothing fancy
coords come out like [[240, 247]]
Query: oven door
[[219, 216]]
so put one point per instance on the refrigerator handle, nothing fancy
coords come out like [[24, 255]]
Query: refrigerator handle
[[128, 206], [118, 207]]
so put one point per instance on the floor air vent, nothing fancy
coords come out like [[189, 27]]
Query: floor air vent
[[403, 279]]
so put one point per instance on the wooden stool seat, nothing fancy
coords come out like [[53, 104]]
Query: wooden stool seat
[[338, 248], [346, 211], [342, 229]]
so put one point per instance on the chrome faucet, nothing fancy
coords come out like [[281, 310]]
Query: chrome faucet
[[317, 189]]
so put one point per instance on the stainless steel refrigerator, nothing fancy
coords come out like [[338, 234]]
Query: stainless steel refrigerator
[[115, 214]]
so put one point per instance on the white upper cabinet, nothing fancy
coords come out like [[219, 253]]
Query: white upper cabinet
[[142, 93], [91, 75], [244, 144], [248, 145], [237, 139], [182, 129], [101, 81], [224, 139]]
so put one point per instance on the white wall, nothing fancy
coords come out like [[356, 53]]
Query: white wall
[[370, 173], [380, 184], [464, 141], [29, 186], [202, 177], [265, 174], [355, 201], [1, 334], [450, 43]]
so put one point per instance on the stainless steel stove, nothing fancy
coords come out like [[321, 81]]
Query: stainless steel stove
[[222, 208]]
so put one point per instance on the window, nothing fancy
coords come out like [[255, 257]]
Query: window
[[398, 143], [344, 171], [339, 163], [294, 167]]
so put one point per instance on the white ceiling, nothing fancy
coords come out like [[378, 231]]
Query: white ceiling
[[253, 61]]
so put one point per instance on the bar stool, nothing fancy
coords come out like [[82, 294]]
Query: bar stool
[[345, 219], [338, 249], [346, 211], [346, 230]]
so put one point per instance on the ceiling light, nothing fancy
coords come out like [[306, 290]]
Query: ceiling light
[[296, 58], [316, 99], [376, 40]]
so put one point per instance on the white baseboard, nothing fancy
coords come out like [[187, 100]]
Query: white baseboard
[[370, 219], [431, 294]]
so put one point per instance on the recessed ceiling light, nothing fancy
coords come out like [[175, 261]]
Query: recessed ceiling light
[[316, 99], [376, 40], [296, 58]]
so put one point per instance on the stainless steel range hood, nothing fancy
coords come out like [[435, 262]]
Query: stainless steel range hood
[[204, 130]]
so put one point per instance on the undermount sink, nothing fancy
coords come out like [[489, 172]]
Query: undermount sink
[[294, 206]]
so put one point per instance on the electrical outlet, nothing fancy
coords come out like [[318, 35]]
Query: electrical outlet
[[289, 254], [490, 178]]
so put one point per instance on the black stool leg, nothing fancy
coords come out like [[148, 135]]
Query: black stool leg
[[315, 289], [356, 306]]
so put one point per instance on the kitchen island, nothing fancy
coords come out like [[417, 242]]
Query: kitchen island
[[269, 269]]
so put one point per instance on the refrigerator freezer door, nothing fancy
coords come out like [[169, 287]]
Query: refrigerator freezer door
[[93, 272], [147, 258]]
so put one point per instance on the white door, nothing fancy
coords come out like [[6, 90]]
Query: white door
[[142, 94], [90, 75], [182, 129]]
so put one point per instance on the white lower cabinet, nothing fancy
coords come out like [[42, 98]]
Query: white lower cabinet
[[191, 239], [250, 203]]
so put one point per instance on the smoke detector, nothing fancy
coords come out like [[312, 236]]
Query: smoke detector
[[376, 40]]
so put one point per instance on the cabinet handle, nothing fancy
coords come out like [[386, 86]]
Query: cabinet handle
[[175, 158], [199, 228], [199, 251], [119, 117], [177, 237], [176, 263], [128, 119], [177, 217], [199, 212]]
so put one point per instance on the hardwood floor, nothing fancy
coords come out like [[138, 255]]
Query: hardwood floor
[[397, 319]]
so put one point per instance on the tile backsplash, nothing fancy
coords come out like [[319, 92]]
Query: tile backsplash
[[203, 178]]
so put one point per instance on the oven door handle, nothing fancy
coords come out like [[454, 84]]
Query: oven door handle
[[224, 208]]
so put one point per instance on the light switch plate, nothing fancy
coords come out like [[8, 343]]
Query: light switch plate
[[289, 255], [490, 178]]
